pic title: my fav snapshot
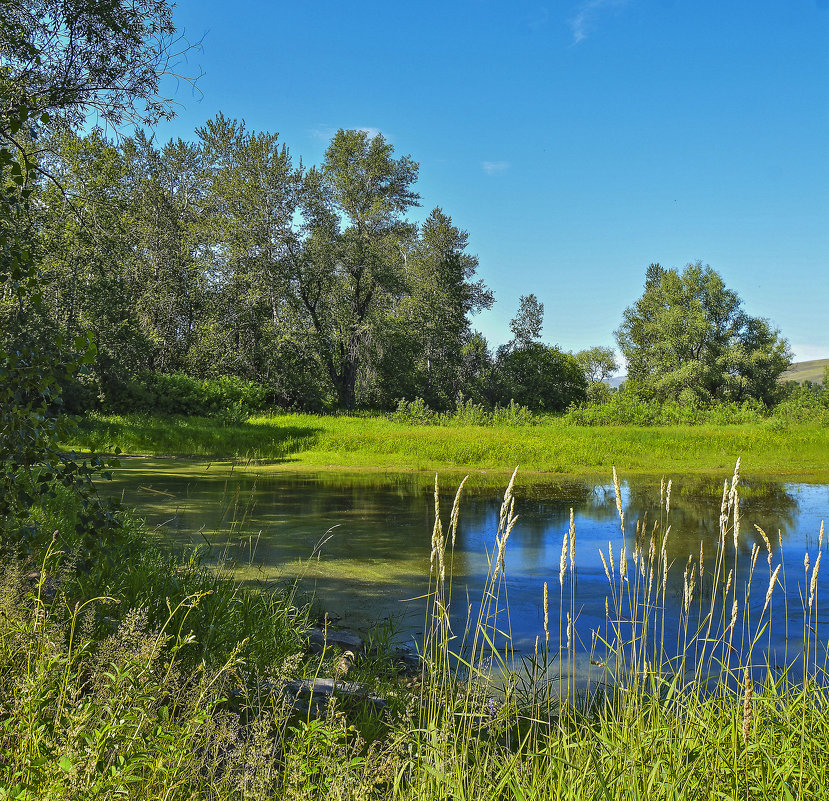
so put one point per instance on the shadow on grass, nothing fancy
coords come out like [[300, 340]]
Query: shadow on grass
[[194, 436]]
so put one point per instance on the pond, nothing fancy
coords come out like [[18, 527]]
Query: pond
[[361, 543]]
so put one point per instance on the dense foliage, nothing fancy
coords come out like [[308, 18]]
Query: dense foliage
[[222, 257], [688, 335]]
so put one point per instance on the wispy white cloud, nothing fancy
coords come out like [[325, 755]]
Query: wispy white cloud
[[324, 132], [493, 167], [588, 14]]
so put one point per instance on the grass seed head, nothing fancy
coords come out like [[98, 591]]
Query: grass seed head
[[618, 491], [724, 511], [813, 584], [748, 697], [562, 564], [606, 571], [765, 541], [770, 590], [453, 520]]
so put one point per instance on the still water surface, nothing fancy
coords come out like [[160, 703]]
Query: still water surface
[[361, 542]]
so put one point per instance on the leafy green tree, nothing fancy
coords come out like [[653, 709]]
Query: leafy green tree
[[598, 363], [76, 58], [165, 193], [89, 273], [476, 374], [540, 377], [688, 334], [348, 259], [532, 374], [423, 350], [527, 324], [251, 200], [61, 60]]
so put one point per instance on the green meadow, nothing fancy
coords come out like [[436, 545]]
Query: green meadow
[[550, 446]]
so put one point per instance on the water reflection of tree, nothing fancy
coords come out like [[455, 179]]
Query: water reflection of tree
[[695, 510]]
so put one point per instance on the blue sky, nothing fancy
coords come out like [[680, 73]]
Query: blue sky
[[576, 141]]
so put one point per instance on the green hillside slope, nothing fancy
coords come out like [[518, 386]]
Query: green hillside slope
[[806, 371]]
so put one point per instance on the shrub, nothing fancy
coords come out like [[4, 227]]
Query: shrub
[[803, 404], [469, 413], [629, 408], [177, 393], [513, 415], [414, 412]]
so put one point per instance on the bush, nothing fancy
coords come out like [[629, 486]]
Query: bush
[[513, 415], [176, 393], [415, 412], [629, 408], [803, 404], [543, 378], [469, 413]]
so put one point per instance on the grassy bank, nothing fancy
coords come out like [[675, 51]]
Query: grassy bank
[[550, 446], [126, 673]]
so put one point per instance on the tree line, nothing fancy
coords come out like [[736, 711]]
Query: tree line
[[225, 258]]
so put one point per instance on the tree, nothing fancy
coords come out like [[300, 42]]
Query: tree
[[540, 377], [598, 363], [75, 58], [528, 321], [689, 334], [476, 372], [430, 323], [347, 261], [66, 63], [61, 59], [252, 197]]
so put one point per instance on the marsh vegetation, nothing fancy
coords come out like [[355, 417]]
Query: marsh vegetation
[[137, 674], [217, 297]]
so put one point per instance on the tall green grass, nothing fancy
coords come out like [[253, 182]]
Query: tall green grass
[[99, 701], [549, 446]]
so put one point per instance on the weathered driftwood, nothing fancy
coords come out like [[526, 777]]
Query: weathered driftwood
[[319, 639], [305, 694]]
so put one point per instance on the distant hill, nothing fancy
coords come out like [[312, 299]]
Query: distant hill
[[799, 371], [806, 371]]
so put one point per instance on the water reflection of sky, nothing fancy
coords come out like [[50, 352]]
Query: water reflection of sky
[[380, 528]]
